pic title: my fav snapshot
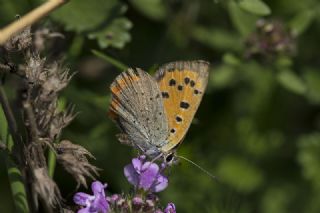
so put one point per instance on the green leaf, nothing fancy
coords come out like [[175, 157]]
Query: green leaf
[[231, 59], [115, 35], [100, 20], [9, 10], [256, 7], [291, 82], [240, 174], [309, 157], [223, 76], [254, 142], [153, 9], [14, 174], [301, 21], [283, 61], [80, 15], [217, 38], [242, 21], [276, 199], [312, 78]]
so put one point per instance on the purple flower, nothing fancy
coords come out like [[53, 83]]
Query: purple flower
[[95, 203], [171, 208], [145, 175]]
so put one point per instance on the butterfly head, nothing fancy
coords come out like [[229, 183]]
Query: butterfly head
[[170, 158]]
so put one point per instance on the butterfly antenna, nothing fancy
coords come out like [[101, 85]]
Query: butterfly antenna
[[198, 166]]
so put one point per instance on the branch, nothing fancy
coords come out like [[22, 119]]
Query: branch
[[32, 124], [29, 19]]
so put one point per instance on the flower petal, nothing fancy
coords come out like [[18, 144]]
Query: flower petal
[[100, 204], [131, 175], [149, 175], [82, 198], [98, 188], [84, 210], [171, 208], [150, 166], [161, 184], [137, 164]]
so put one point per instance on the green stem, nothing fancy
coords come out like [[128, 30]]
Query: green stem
[[52, 155], [51, 163], [111, 60]]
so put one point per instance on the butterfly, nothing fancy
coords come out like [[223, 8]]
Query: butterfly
[[155, 113]]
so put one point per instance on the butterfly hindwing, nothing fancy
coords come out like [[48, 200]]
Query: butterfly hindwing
[[137, 108], [182, 85]]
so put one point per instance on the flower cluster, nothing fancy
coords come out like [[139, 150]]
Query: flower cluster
[[147, 179], [145, 175], [269, 39]]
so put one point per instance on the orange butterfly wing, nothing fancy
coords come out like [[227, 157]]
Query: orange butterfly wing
[[182, 85]]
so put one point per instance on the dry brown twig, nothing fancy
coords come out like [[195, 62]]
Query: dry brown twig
[[28, 19]]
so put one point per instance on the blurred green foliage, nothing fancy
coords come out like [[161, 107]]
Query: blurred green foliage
[[258, 127]]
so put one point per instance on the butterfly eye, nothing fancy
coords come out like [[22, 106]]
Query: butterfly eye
[[169, 158]]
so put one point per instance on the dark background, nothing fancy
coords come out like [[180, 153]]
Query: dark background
[[257, 127]]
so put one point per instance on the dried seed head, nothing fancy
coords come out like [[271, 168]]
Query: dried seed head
[[59, 121], [73, 158], [34, 70], [57, 78], [45, 188], [20, 41]]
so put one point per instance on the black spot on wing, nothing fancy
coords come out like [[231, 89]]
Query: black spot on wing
[[184, 105], [165, 95], [172, 82], [178, 119], [186, 80]]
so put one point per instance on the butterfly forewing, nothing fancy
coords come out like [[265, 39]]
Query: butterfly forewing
[[182, 85], [137, 108]]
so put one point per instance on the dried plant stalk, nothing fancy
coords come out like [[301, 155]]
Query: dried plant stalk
[[42, 81]]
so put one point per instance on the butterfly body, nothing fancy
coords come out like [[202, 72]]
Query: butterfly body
[[154, 113]]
